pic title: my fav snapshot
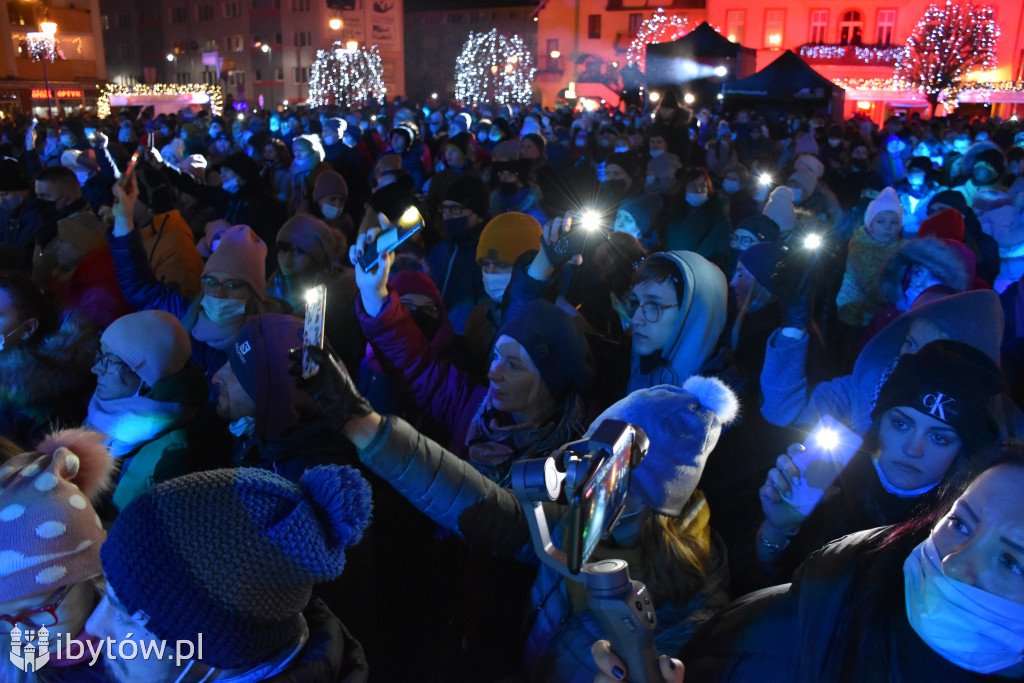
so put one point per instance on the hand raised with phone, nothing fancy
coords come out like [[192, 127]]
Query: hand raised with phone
[[373, 285], [541, 268]]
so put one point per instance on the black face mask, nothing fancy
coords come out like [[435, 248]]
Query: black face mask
[[508, 188], [614, 189], [456, 227], [47, 208], [858, 164], [428, 323]]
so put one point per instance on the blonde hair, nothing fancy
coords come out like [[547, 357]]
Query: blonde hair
[[676, 552]]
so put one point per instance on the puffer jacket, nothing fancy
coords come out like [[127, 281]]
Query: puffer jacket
[[456, 496], [331, 655], [171, 252]]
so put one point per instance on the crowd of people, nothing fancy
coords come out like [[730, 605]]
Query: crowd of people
[[721, 280]]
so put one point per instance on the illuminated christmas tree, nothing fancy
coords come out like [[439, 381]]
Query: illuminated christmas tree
[[494, 68], [661, 28], [948, 42], [346, 77]]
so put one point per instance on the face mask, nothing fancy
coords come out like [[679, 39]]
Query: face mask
[[456, 227], [651, 179], [655, 153], [833, 142], [615, 188], [604, 143], [785, 142], [47, 207], [798, 195], [731, 186], [302, 164], [329, 211], [243, 426], [581, 143], [11, 203], [508, 188], [220, 310], [230, 186], [696, 199], [895, 490], [428, 324], [916, 180], [67, 140], [82, 176], [10, 335], [495, 285], [124, 135], [967, 626], [494, 137], [620, 150], [983, 176]]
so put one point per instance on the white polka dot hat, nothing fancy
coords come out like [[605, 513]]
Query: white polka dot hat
[[50, 535]]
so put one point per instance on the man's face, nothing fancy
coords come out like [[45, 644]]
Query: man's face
[[661, 300], [233, 403], [49, 191]]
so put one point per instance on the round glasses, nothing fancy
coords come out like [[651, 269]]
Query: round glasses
[[650, 310], [105, 360]]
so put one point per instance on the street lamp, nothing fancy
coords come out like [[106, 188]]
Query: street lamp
[[170, 57], [42, 46], [335, 24]]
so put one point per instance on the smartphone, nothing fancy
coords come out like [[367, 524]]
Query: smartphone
[[568, 244], [597, 503], [407, 225], [313, 330], [828, 449], [130, 171]]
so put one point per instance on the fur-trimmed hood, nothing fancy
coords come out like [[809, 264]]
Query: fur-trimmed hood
[[58, 368], [942, 257]]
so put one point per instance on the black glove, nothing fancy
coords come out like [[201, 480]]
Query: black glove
[[331, 386], [792, 282]]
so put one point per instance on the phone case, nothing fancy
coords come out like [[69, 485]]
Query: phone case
[[313, 330], [819, 465]]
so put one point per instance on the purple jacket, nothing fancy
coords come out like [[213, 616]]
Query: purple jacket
[[444, 394]]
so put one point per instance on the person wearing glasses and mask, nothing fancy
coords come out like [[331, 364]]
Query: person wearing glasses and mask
[[147, 392], [232, 285], [50, 563]]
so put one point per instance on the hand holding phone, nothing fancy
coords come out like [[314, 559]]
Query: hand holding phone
[[129, 172], [313, 330], [582, 227], [391, 237], [828, 449]]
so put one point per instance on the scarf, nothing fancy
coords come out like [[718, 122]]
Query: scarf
[[494, 441], [217, 336], [133, 421]]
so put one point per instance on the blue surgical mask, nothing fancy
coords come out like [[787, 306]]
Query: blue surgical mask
[[655, 153], [230, 186], [971, 628], [220, 310], [696, 199], [731, 186], [329, 211], [495, 285]]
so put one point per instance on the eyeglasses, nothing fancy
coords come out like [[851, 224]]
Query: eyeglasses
[[650, 310], [212, 284], [741, 241], [105, 360], [36, 618], [452, 209]]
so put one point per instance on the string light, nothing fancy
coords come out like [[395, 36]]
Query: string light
[[867, 55], [43, 46], [345, 76], [947, 43], [661, 28], [494, 68], [213, 94]]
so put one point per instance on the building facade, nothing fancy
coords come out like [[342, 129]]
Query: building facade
[[70, 80], [253, 49]]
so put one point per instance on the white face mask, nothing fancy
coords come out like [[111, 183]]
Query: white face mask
[[220, 310], [696, 199], [655, 153], [243, 426], [833, 142], [329, 211], [495, 285], [731, 186], [971, 628]]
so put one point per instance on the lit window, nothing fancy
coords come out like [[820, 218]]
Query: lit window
[[819, 25], [851, 28], [734, 22], [774, 27]]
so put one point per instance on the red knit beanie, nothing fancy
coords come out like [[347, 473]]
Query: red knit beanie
[[946, 224]]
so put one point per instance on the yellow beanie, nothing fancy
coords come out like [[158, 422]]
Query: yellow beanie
[[508, 236]]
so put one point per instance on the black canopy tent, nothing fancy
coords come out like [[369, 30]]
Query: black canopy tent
[[696, 55], [789, 82]]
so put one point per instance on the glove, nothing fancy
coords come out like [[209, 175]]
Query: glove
[[332, 387], [792, 283]]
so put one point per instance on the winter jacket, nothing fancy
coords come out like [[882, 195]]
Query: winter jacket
[[307, 443], [331, 655], [92, 290], [47, 385], [18, 235], [154, 462], [699, 324], [842, 618], [524, 200], [457, 497], [704, 229], [858, 297], [973, 317], [454, 270], [171, 252]]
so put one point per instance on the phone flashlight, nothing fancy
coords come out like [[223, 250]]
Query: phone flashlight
[[312, 296], [827, 439], [812, 241], [765, 179], [590, 220]]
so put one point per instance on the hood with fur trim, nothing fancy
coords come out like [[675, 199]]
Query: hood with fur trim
[[940, 256]]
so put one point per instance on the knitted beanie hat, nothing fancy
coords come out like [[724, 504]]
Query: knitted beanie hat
[[327, 184], [152, 343], [950, 381], [50, 535], [761, 259], [85, 231], [471, 192], [766, 229], [507, 237], [805, 180], [556, 345], [13, 176], [241, 254], [682, 425], [311, 235], [947, 224], [462, 141], [809, 162], [243, 165], [780, 209], [993, 157], [887, 200], [234, 554], [259, 359]]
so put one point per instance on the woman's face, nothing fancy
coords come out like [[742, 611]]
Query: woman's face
[[981, 540], [516, 385], [915, 450], [71, 605], [742, 282], [9, 318], [293, 260], [114, 379], [302, 152]]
